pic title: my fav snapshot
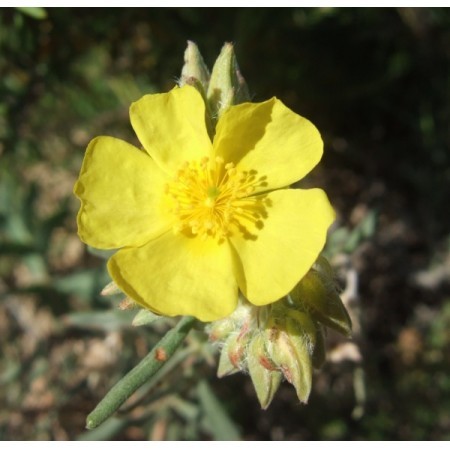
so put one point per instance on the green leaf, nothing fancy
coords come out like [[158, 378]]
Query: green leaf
[[188, 410], [216, 420], [364, 230], [84, 283], [368, 225], [103, 320], [35, 13]]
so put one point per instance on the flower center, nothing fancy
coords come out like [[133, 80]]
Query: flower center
[[210, 198]]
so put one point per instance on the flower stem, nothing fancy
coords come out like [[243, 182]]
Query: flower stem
[[134, 379]]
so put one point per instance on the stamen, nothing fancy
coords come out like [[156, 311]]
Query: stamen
[[209, 197]]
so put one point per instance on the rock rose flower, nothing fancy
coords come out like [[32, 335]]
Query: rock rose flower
[[197, 219]]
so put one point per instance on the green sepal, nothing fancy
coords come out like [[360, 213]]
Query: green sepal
[[317, 293], [225, 366], [110, 289], [219, 330], [323, 266], [302, 339], [290, 343], [236, 348], [145, 317], [319, 355], [290, 354], [300, 324], [266, 382]]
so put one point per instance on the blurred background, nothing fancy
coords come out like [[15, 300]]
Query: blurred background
[[376, 82]]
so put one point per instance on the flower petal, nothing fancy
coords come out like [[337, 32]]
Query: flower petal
[[175, 275], [284, 246], [121, 191], [270, 138], [172, 127]]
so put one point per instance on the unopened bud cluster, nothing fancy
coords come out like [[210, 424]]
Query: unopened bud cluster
[[284, 340], [224, 87]]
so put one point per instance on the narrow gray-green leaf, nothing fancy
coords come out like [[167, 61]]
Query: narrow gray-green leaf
[[111, 320], [216, 419]]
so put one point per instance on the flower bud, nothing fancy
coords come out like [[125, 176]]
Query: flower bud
[[234, 353], [226, 86], [290, 349], [195, 73], [284, 339], [221, 329], [194, 68]]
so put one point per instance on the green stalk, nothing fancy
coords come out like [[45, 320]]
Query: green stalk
[[134, 379]]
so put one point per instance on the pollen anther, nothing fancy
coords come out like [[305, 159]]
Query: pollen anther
[[209, 197]]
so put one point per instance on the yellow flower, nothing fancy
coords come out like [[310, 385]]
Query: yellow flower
[[196, 221]]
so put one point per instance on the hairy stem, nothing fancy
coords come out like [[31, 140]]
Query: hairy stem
[[159, 355]]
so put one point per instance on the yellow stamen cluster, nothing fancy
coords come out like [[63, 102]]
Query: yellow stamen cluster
[[208, 197]]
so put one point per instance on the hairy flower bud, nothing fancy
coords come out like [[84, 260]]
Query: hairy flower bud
[[227, 86], [194, 67], [284, 339]]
